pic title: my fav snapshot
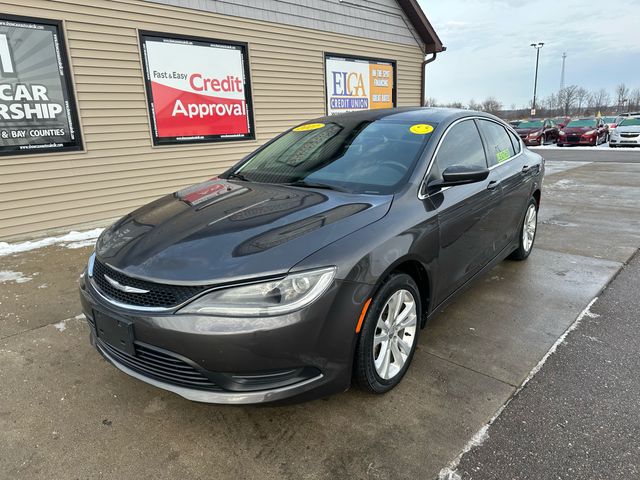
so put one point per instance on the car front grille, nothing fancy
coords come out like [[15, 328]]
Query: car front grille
[[160, 365], [573, 138], [629, 135], [157, 295]]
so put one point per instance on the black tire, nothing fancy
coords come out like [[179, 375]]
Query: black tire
[[365, 375], [522, 253]]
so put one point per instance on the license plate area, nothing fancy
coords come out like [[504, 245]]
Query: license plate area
[[117, 333]]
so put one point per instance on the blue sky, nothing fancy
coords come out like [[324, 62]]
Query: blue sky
[[488, 50]]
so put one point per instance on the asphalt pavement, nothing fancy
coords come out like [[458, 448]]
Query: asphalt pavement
[[66, 413], [579, 416]]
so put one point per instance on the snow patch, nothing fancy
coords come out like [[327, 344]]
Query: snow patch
[[9, 276], [450, 471], [62, 325], [70, 240]]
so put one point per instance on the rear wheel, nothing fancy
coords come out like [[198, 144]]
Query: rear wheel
[[527, 232], [389, 335]]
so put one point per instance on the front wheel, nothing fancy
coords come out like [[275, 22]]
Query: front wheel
[[389, 335], [527, 232]]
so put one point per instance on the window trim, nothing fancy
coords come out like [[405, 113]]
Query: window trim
[[444, 135]]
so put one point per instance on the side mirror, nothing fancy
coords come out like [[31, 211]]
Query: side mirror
[[460, 175]]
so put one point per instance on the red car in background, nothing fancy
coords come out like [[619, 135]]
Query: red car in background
[[562, 121], [538, 132], [585, 131]]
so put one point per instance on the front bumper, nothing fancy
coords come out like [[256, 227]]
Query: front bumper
[[303, 355], [625, 141], [577, 140]]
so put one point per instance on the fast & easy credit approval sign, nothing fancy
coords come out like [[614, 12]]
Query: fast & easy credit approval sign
[[198, 90], [354, 83]]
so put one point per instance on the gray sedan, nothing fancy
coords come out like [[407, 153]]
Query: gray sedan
[[315, 261]]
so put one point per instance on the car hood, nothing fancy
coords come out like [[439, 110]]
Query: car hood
[[577, 129], [221, 231], [629, 129]]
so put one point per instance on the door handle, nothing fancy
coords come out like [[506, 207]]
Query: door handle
[[493, 184], [526, 169]]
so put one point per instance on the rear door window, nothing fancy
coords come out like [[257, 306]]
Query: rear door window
[[499, 146]]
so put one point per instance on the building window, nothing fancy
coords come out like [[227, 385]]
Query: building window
[[37, 107], [198, 89], [358, 83]]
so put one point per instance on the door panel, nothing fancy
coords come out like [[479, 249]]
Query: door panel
[[468, 220], [467, 217]]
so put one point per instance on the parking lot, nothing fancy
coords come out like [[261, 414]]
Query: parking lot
[[66, 413]]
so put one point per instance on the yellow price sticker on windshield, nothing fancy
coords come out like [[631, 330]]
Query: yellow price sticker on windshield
[[421, 128], [308, 126]]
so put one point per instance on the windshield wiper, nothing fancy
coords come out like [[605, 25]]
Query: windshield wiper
[[238, 176], [326, 186]]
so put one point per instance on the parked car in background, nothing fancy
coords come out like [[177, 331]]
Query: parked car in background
[[627, 133], [612, 122], [562, 121], [314, 261], [538, 132], [585, 131]]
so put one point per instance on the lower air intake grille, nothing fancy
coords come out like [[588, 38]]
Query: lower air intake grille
[[157, 364]]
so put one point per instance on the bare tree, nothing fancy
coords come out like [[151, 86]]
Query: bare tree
[[582, 98], [473, 105], [430, 102], [622, 94], [599, 100], [491, 105], [567, 98], [634, 99], [455, 105]]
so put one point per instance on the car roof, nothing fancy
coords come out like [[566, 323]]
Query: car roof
[[408, 114]]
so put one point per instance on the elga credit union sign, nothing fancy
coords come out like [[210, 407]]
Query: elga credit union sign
[[198, 89], [358, 83], [37, 109]]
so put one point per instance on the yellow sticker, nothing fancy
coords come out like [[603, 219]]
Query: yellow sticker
[[421, 128], [308, 126]]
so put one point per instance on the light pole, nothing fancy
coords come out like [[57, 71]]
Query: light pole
[[537, 46]]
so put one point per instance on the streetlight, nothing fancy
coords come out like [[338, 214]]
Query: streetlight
[[537, 46]]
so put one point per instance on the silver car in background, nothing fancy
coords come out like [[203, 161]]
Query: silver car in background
[[626, 134]]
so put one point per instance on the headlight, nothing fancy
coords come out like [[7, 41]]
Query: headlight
[[614, 133], [277, 297], [590, 132], [534, 134], [561, 132]]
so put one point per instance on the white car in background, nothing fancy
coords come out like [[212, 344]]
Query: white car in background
[[626, 134]]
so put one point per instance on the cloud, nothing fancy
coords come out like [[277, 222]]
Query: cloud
[[488, 50]]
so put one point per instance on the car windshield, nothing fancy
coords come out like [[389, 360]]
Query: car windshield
[[345, 154], [588, 122], [531, 124], [630, 122], [609, 119]]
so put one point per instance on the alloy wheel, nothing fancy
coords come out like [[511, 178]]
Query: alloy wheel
[[529, 228], [395, 334]]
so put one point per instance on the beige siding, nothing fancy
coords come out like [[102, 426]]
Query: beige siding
[[119, 169]]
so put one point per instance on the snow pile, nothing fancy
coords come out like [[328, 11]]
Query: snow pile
[[9, 276], [70, 240]]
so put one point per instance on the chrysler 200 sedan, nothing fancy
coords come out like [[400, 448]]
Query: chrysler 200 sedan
[[316, 260]]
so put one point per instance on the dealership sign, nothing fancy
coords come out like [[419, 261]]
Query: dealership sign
[[358, 83], [198, 90], [37, 110]]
